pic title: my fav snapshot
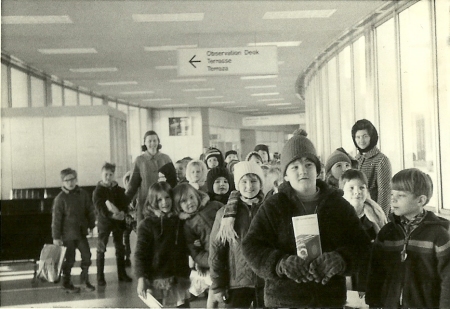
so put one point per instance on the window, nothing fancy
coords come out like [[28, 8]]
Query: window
[[346, 98], [85, 99], [70, 97], [19, 88], [363, 103], [5, 88], [334, 108], [38, 98], [57, 93], [98, 101], [112, 104]]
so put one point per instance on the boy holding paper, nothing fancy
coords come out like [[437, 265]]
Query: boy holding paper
[[270, 245], [110, 204]]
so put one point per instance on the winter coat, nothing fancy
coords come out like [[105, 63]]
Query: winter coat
[[143, 175], [116, 195], [377, 168], [161, 250], [271, 237], [72, 215], [423, 279], [228, 267]]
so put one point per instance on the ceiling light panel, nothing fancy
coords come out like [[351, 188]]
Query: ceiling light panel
[[175, 105], [93, 70], [24, 20], [264, 94], [223, 102], [167, 47], [260, 87], [249, 110], [299, 14], [187, 80], [237, 106], [198, 89], [278, 44], [121, 83], [259, 77], [278, 104], [53, 51], [210, 97], [291, 107], [138, 92], [147, 18], [268, 100], [157, 100]]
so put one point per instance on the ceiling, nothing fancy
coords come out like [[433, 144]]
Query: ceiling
[[149, 78]]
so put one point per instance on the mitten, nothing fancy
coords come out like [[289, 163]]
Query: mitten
[[326, 266], [295, 268]]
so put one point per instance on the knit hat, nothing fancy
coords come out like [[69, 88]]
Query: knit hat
[[170, 173], [215, 173], [229, 152], [231, 165], [247, 167], [335, 157], [298, 146], [253, 153], [263, 148], [214, 152]]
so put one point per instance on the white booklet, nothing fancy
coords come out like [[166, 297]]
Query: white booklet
[[307, 236], [150, 301]]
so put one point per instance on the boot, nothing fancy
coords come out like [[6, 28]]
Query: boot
[[84, 279], [100, 269], [121, 272], [68, 286]]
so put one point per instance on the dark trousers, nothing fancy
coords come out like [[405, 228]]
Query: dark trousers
[[104, 231], [83, 246]]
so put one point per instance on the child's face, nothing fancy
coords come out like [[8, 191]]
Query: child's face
[[264, 156], [362, 139], [355, 192], [249, 186], [164, 201], [339, 168], [404, 203], [70, 182], [151, 141], [181, 170], [189, 202], [302, 174], [256, 160], [212, 162], [107, 177], [231, 157], [196, 173], [221, 186]]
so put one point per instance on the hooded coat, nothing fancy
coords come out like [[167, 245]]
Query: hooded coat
[[116, 195], [422, 280], [271, 237]]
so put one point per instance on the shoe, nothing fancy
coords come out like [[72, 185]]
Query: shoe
[[123, 277], [89, 287], [70, 288], [101, 281]]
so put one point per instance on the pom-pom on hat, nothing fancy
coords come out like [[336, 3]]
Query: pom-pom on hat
[[335, 157], [247, 167], [298, 146], [214, 152], [215, 173]]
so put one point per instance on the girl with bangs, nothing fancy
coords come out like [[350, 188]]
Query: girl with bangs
[[161, 258]]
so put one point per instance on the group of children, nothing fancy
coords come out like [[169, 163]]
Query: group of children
[[240, 232]]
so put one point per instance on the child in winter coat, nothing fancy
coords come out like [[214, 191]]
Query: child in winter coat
[[72, 215], [234, 284], [196, 172], [161, 258], [410, 265], [213, 158], [199, 214], [220, 184], [337, 163]]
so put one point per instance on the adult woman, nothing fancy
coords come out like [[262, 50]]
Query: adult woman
[[145, 170], [374, 164]]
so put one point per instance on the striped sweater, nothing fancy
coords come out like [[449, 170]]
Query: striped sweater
[[377, 168]]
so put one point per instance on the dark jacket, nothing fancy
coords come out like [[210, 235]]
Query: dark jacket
[[73, 214], [228, 267], [271, 237], [116, 195], [423, 279], [161, 250]]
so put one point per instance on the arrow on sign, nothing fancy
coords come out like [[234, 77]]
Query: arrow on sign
[[192, 61]]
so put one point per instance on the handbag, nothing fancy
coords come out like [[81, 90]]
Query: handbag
[[50, 262]]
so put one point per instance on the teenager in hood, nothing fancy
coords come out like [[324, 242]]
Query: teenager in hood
[[220, 184]]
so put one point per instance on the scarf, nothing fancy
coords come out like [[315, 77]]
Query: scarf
[[410, 225]]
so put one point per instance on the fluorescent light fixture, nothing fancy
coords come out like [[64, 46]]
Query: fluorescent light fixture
[[188, 80], [175, 105], [53, 51], [223, 102], [259, 76], [291, 107], [298, 14], [198, 89], [268, 100], [166, 67], [49, 19], [138, 92], [260, 87], [146, 18], [93, 70], [278, 104], [167, 47], [264, 94], [211, 97], [278, 44], [157, 99], [117, 83], [249, 110], [237, 106]]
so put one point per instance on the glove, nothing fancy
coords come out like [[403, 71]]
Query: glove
[[295, 268], [57, 242], [326, 266]]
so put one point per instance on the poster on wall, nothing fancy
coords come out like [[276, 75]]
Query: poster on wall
[[179, 126]]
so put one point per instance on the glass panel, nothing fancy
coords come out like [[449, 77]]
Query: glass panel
[[135, 136], [19, 88], [37, 92], [443, 65], [418, 90], [57, 98], [98, 101], [333, 99], [4, 86], [390, 128], [144, 121], [319, 117], [325, 113], [347, 110], [70, 97], [122, 108], [363, 105], [112, 104], [85, 99]]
